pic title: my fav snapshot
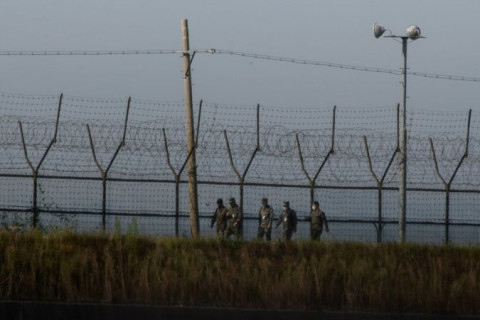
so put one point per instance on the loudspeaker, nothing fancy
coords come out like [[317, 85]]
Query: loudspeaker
[[378, 30], [413, 32]]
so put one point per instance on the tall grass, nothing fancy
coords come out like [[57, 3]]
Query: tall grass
[[64, 266]]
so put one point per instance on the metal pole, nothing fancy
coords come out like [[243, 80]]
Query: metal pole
[[447, 214], [192, 166], [241, 209], [35, 196], [177, 204], [402, 166], [104, 201], [312, 192], [258, 126], [380, 219], [448, 184]]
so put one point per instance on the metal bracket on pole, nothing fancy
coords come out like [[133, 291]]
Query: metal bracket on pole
[[193, 52], [187, 72], [198, 123]]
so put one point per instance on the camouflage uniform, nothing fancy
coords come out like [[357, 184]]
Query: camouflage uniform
[[265, 216], [317, 220], [234, 216], [220, 217], [289, 219]]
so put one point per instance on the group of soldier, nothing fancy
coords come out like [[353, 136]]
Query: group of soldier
[[230, 220]]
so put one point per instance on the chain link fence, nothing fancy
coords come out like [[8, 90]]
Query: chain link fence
[[110, 164]]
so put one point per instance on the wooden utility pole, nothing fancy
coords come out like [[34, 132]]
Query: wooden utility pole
[[189, 130]]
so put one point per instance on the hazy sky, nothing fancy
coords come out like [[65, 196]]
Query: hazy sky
[[337, 31]]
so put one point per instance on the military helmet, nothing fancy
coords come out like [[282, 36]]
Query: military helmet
[[219, 201], [231, 200], [264, 200], [286, 204]]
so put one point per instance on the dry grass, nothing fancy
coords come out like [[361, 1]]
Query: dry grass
[[64, 266]]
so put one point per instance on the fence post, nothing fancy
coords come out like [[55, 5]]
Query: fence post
[[380, 214], [34, 176], [241, 177], [379, 182], [447, 214], [302, 165], [35, 197], [177, 181], [332, 146], [104, 201], [35, 170], [448, 184], [104, 173], [176, 175], [379, 186], [312, 181]]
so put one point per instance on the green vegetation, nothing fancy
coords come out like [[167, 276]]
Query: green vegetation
[[64, 266]]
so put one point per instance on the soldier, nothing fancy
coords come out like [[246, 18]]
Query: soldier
[[289, 219], [234, 216], [220, 217], [317, 220], [265, 216]]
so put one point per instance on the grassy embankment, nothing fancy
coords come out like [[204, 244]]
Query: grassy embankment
[[63, 266]]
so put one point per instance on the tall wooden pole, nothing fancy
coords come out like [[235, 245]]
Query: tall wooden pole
[[189, 130]]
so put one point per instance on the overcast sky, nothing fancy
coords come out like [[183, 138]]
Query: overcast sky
[[336, 31]]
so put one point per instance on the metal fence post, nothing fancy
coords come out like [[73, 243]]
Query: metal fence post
[[241, 177], [312, 181], [379, 182], [104, 173], [176, 176], [35, 170], [448, 184]]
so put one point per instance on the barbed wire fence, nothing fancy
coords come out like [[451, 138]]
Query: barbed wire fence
[[102, 164]]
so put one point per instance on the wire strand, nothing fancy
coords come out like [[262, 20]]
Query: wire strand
[[347, 66], [98, 52], [246, 55]]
